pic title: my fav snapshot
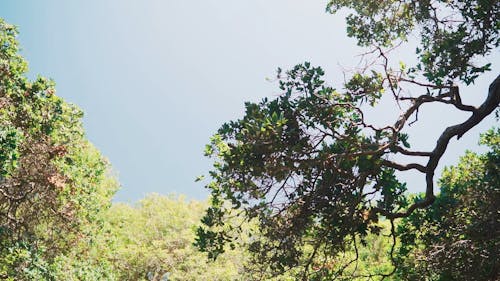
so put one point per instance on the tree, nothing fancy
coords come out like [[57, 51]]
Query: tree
[[154, 241], [309, 167], [53, 182], [458, 237]]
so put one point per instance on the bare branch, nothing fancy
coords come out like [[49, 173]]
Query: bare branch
[[413, 153], [427, 85], [406, 167]]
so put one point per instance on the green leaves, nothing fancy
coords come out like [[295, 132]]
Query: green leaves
[[155, 238], [456, 238], [403, 138], [10, 140], [297, 165], [309, 168], [364, 88], [376, 22], [453, 34], [52, 180]]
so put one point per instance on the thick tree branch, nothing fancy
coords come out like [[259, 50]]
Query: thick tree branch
[[406, 167], [489, 105], [413, 153], [453, 100]]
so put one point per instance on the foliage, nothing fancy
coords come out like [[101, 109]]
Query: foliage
[[303, 186], [457, 238], [277, 165], [154, 241], [53, 182], [452, 33], [311, 172]]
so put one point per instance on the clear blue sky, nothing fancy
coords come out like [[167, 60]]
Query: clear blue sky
[[157, 78]]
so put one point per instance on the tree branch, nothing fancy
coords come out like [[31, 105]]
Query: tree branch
[[413, 153], [406, 167], [489, 105]]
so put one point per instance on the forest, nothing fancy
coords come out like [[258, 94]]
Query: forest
[[302, 187]]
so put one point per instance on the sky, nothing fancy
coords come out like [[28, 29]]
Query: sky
[[157, 78]]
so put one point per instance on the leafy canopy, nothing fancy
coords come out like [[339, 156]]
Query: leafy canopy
[[307, 166], [53, 182], [458, 236]]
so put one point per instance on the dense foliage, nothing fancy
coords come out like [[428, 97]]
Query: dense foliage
[[55, 195], [458, 237], [453, 33], [154, 240], [312, 172], [304, 187], [283, 165], [53, 182]]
